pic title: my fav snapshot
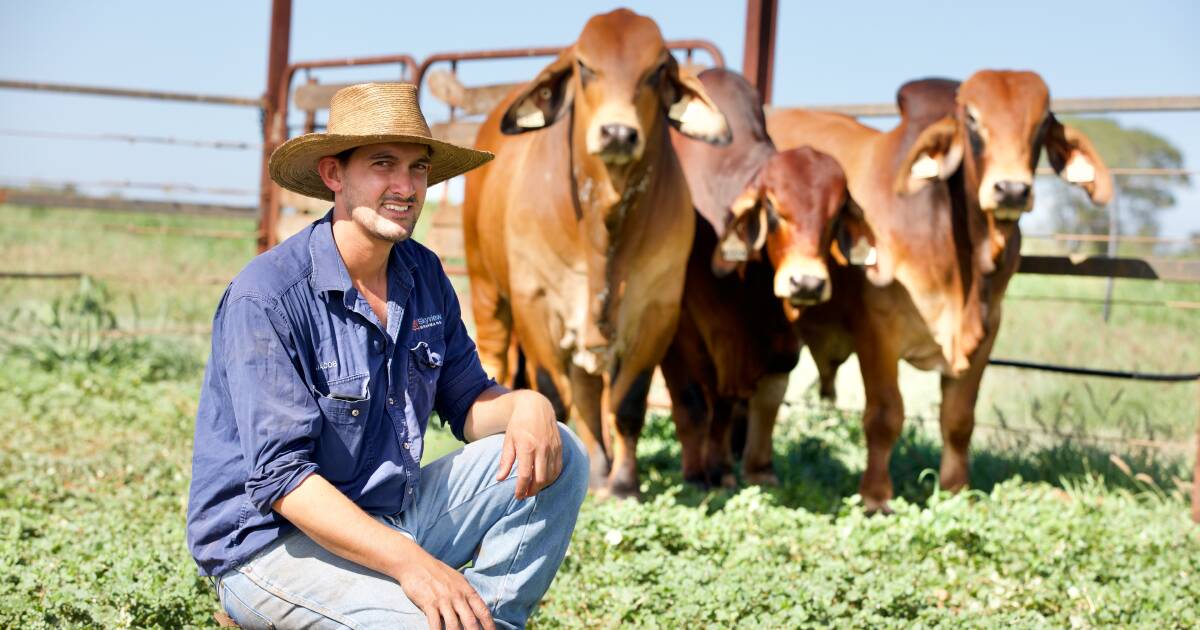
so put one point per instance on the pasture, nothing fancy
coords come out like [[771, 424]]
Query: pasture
[[1069, 525]]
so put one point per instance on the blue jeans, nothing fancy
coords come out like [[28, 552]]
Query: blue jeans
[[461, 514]]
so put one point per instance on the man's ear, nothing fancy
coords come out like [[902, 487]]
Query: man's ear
[[853, 241], [1074, 158], [544, 100], [746, 233], [689, 108], [936, 154], [330, 171]]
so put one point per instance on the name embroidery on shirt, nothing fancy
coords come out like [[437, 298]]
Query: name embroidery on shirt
[[421, 323]]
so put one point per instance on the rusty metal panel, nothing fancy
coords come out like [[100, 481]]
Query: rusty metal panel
[[758, 63], [274, 118], [446, 87], [1099, 266], [186, 97], [462, 133], [315, 96]]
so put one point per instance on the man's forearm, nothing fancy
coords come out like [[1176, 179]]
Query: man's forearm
[[491, 412], [331, 519]]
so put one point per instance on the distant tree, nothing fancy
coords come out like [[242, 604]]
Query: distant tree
[[1140, 197]]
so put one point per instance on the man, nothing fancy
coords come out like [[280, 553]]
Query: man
[[308, 505]]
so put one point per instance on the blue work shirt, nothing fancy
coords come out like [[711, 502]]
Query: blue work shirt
[[304, 379]]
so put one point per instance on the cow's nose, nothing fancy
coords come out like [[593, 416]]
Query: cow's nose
[[808, 289], [618, 137], [1010, 193]]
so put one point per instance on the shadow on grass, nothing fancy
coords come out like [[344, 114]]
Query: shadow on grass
[[820, 454]]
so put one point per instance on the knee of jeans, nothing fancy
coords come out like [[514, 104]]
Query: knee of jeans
[[575, 461]]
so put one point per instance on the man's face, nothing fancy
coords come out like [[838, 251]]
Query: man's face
[[382, 186]]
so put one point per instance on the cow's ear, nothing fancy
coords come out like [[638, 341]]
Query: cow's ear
[[936, 154], [745, 234], [689, 108], [543, 100], [1075, 159], [853, 243]]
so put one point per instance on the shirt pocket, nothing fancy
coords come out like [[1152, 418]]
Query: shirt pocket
[[345, 408], [424, 369]]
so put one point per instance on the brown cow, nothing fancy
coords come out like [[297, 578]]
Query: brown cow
[[577, 235], [735, 344], [940, 194]]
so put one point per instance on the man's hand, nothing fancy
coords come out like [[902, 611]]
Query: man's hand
[[533, 442], [337, 524], [442, 593]]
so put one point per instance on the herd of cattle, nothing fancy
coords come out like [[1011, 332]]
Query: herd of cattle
[[638, 216]]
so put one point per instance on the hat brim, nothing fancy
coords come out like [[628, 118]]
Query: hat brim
[[294, 164]]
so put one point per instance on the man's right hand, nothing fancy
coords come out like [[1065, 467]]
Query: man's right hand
[[442, 593]]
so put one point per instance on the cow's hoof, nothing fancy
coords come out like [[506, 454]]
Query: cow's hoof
[[875, 507], [762, 478], [618, 491], [697, 481], [597, 482]]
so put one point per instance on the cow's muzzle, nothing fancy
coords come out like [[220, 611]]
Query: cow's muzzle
[[618, 143], [808, 289]]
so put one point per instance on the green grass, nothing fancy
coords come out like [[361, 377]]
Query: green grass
[[95, 445]]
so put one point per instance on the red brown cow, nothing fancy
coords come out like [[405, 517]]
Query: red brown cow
[[736, 342], [577, 235], [940, 194]]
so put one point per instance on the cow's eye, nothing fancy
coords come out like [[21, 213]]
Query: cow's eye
[[972, 120], [586, 74]]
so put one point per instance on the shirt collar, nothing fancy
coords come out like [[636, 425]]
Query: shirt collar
[[329, 270]]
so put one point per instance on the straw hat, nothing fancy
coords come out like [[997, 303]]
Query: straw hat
[[367, 113]]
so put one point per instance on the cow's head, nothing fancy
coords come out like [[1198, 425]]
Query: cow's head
[[788, 211], [620, 81], [1002, 120]]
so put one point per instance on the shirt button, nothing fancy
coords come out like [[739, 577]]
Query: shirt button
[[392, 401], [410, 490], [378, 345], [354, 412], [407, 446]]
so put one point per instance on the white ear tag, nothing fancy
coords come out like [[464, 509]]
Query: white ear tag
[[529, 116], [1079, 170], [862, 253], [925, 167], [734, 250]]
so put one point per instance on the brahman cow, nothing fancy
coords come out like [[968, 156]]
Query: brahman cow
[[577, 234], [940, 194], [736, 343]]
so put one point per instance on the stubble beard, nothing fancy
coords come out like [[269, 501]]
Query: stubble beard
[[375, 224]]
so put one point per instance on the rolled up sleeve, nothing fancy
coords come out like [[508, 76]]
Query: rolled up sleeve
[[278, 420], [462, 379]]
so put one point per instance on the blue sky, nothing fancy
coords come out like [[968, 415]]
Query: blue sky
[[843, 52]]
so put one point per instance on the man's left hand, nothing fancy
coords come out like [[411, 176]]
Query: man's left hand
[[533, 442]]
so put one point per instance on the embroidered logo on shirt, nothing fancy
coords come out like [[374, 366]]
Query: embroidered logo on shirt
[[328, 365], [421, 323]]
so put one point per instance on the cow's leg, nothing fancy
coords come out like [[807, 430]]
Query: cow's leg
[[883, 418], [958, 416], [689, 411], [586, 407], [829, 349], [493, 328], [718, 448], [629, 391], [757, 466]]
